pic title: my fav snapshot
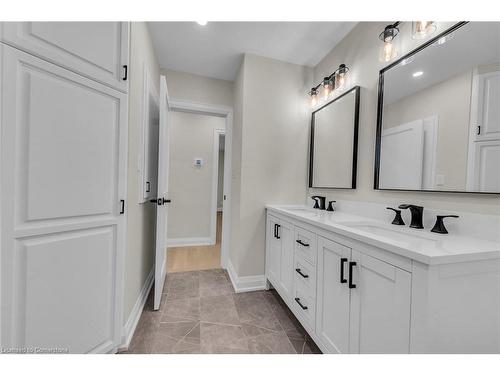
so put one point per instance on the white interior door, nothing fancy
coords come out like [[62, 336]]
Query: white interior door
[[163, 197], [401, 157], [63, 183]]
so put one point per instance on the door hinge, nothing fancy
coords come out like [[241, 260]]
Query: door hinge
[[225, 197], [125, 72], [122, 208]]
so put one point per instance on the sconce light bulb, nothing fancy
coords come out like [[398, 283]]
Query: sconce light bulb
[[388, 51], [313, 101], [422, 29]]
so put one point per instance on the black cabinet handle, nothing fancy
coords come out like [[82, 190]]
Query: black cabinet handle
[[298, 270], [342, 262], [302, 243], [351, 266], [148, 186], [125, 70], [274, 234], [122, 204], [300, 304], [278, 231]]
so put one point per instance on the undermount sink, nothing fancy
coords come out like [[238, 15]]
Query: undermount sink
[[400, 235], [303, 211]]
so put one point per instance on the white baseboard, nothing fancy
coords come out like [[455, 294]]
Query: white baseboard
[[129, 328], [245, 283], [190, 241]]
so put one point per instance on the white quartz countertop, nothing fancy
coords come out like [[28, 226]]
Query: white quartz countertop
[[418, 244]]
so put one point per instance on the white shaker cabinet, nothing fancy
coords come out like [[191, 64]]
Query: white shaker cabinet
[[279, 258], [97, 50], [380, 306]]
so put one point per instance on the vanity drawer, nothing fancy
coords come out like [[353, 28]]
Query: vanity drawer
[[306, 244], [305, 276], [304, 307]]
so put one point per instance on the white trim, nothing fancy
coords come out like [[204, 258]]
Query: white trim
[[243, 284], [133, 319], [227, 112], [215, 183], [189, 241]]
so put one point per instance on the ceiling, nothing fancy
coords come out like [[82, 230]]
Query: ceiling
[[216, 50]]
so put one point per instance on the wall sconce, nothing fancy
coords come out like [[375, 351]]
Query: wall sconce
[[341, 75], [314, 96], [389, 49], [335, 81], [422, 29]]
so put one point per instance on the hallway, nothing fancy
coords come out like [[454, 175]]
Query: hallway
[[201, 313], [196, 258]]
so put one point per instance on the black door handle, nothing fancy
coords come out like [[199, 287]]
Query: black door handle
[[302, 243], [351, 266], [300, 304], [298, 270], [160, 201], [342, 262]]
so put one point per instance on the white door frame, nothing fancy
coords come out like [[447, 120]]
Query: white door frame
[[215, 184], [227, 113]]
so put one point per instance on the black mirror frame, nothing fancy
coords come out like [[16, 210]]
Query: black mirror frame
[[357, 90], [380, 107]]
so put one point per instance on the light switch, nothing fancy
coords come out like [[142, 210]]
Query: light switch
[[198, 162]]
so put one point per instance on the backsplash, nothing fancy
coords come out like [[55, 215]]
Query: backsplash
[[468, 224]]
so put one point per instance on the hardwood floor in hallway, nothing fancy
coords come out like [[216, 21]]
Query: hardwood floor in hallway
[[196, 258]]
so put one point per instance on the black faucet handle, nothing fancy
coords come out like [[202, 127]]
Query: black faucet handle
[[316, 202], [398, 220], [439, 226], [330, 206], [405, 206]]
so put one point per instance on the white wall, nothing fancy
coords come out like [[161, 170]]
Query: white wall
[[141, 218], [270, 145], [360, 50], [191, 136], [199, 89]]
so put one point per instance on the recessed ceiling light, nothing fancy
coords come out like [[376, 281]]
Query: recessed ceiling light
[[418, 74], [201, 23]]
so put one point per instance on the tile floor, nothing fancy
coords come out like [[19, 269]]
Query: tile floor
[[200, 313]]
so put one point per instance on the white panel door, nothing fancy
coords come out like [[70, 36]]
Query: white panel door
[[401, 157], [163, 196], [273, 251], [488, 106], [487, 166], [285, 231], [98, 50], [332, 314], [380, 307], [63, 183]]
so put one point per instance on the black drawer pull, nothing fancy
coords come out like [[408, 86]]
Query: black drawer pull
[[342, 262], [351, 266], [302, 243], [301, 274], [300, 304]]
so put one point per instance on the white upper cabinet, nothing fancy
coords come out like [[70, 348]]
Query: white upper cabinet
[[97, 50], [380, 306]]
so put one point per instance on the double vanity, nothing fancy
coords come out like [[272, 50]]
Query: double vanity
[[358, 285]]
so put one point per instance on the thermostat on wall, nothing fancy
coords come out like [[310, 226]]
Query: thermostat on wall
[[198, 162]]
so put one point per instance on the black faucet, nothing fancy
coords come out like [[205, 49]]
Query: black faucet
[[417, 215], [439, 226], [319, 202]]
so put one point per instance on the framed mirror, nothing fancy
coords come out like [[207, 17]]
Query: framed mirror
[[438, 123], [334, 143]]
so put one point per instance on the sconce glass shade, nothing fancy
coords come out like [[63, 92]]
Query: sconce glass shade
[[422, 29], [390, 47], [327, 87], [314, 96], [341, 76]]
